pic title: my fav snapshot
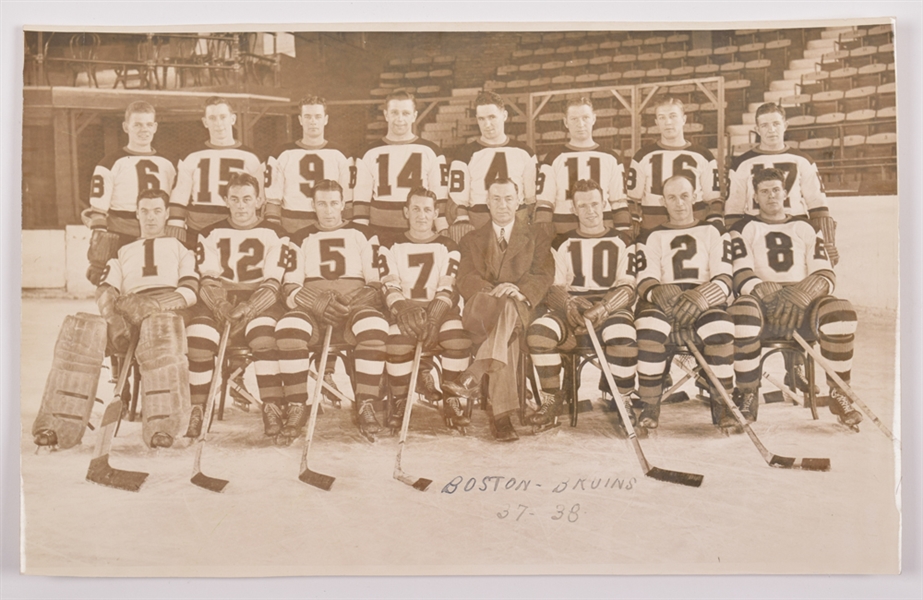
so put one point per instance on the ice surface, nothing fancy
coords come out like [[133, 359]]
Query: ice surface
[[746, 517]]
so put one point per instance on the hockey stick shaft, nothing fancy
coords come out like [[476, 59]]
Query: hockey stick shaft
[[318, 480], [812, 464], [421, 483], [332, 390], [782, 388], [198, 477], [831, 372], [105, 437], [690, 479]]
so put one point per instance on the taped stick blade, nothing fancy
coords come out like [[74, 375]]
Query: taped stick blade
[[318, 480], [100, 472], [212, 484], [807, 464], [416, 483], [689, 479]]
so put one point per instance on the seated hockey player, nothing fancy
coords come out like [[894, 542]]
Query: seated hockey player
[[594, 278], [417, 271], [784, 278], [243, 258], [141, 287], [684, 281], [505, 271], [333, 282]]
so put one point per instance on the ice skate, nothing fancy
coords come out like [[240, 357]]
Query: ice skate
[[368, 422], [844, 410], [272, 419], [454, 414]]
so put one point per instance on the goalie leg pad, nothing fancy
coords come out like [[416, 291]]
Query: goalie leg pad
[[70, 389], [165, 394]]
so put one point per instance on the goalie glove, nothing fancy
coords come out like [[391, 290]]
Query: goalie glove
[[458, 230], [365, 297], [117, 328], [436, 313], [619, 298], [103, 246], [827, 226], [324, 305], [410, 318], [694, 302], [664, 296], [793, 301]]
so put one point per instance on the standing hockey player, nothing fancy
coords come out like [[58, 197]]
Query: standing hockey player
[[672, 155], [198, 200], [684, 281], [784, 278], [293, 170], [418, 272], [243, 259], [594, 278], [333, 283], [582, 158], [491, 157], [392, 166], [804, 189], [117, 182], [143, 285], [506, 270]]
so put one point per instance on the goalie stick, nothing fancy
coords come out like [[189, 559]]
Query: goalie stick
[[774, 460], [318, 480], [690, 479], [100, 471], [421, 483], [823, 362], [199, 478]]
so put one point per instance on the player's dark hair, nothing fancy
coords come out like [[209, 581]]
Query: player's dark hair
[[769, 107], [486, 98], [420, 191], [502, 181], [241, 179], [670, 101], [311, 100], [147, 194], [217, 100], [328, 185], [678, 176], [139, 106], [581, 101], [769, 174], [400, 95], [586, 185]]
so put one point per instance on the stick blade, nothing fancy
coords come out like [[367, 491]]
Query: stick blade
[[102, 473], [689, 479], [807, 464], [318, 480], [416, 483], [212, 484]]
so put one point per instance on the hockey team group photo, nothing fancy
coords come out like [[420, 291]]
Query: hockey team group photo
[[577, 301]]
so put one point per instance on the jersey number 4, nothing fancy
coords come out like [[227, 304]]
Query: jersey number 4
[[410, 176]]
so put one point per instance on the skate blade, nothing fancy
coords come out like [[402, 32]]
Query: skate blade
[[540, 429], [212, 484], [100, 472], [318, 480]]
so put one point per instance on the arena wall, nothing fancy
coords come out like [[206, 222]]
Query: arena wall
[[867, 238]]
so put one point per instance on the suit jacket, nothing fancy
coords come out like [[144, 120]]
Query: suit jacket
[[527, 262]]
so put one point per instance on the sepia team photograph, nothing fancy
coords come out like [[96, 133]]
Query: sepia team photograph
[[586, 299]]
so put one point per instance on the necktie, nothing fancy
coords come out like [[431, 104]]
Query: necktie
[[503, 243]]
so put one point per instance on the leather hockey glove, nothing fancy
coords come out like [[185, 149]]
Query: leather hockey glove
[[176, 231], [117, 328], [259, 302], [436, 313], [103, 246], [215, 298], [324, 305], [137, 307], [574, 310], [365, 297], [694, 302], [793, 302], [664, 296], [410, 318], [458, 230], [619, 298], [827, 226], [765, 291]]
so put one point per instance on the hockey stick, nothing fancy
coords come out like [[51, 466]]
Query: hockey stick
[[774, 460], [99, 470], [421, 483], [318, 480], [199, 478], [690, 479], [782, 388], [335, 392], [831, 372]]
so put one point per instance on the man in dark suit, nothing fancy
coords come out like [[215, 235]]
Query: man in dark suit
[[506, 269]]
